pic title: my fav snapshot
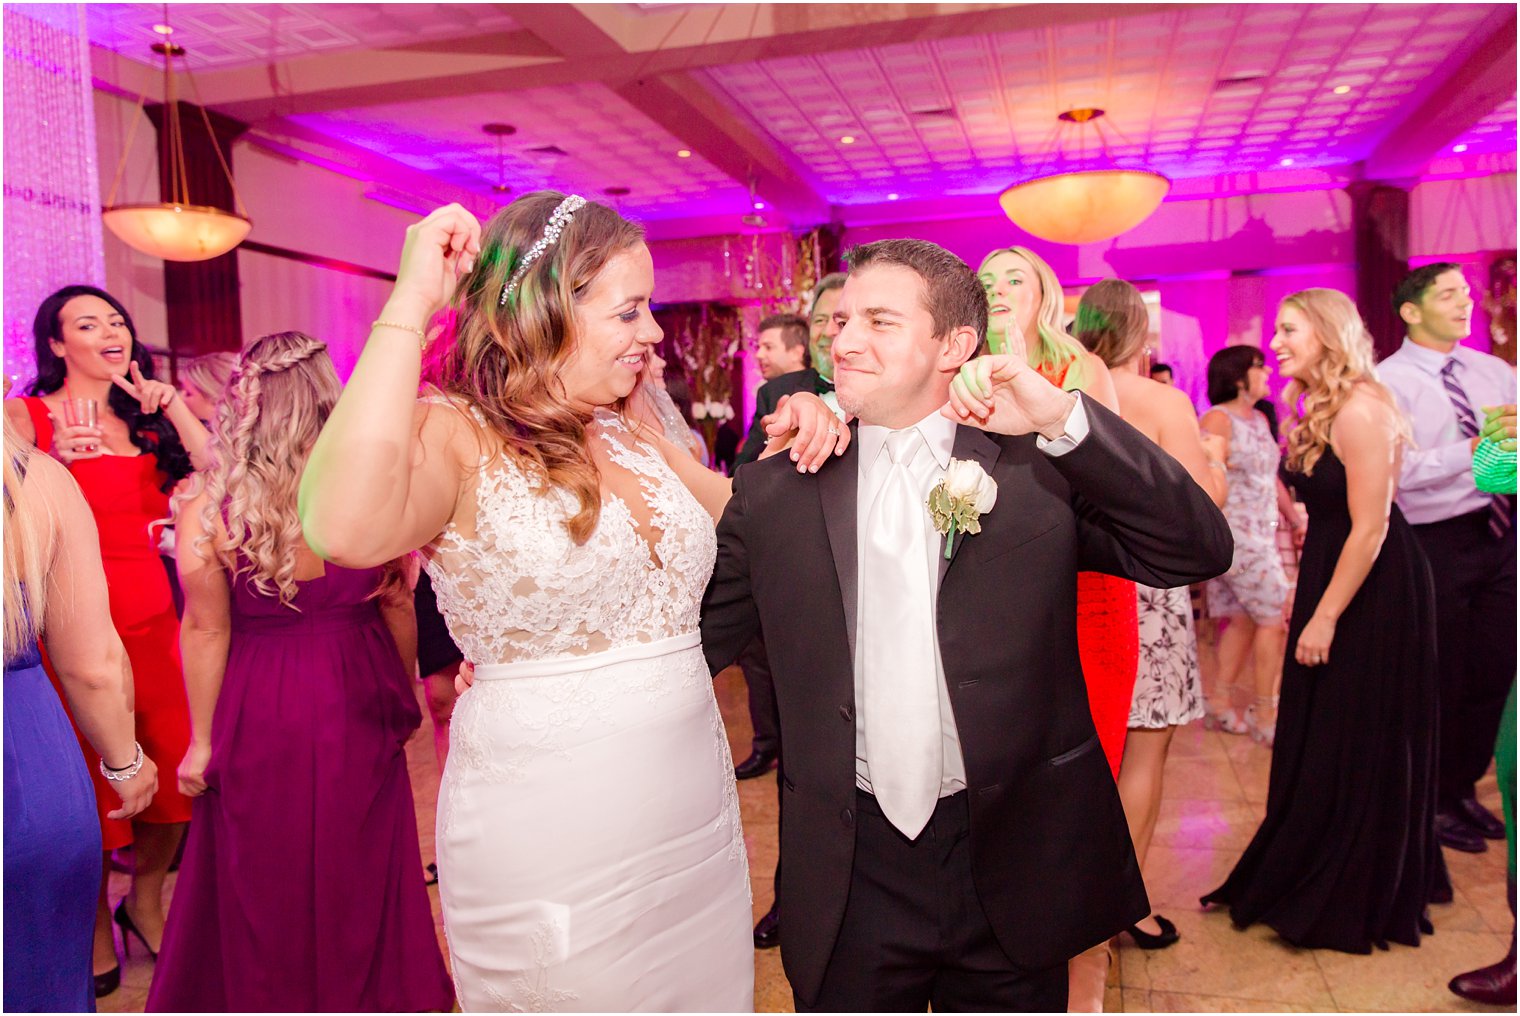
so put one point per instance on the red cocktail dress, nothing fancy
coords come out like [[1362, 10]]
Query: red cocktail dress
[[1108, 642], [124, 496]]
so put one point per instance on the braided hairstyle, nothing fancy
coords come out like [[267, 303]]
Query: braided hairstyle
[[280, 395], [152, 433]]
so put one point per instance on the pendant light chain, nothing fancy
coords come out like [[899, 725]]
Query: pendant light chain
[[216, 147], [174, 228]]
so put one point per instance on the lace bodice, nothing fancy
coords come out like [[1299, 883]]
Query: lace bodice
[[518, 588]]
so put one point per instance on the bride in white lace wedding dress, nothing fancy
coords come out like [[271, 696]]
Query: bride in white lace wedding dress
[[589, 848], [588, 824]]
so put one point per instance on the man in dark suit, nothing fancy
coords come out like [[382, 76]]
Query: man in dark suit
[[951, 834], [781, 350], [765, 750], [782, 355], [816, 376]]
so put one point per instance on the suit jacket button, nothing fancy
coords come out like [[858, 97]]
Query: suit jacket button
[[847, 712], [847, 817]]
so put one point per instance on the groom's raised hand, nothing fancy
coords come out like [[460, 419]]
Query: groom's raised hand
[[1004, 395]]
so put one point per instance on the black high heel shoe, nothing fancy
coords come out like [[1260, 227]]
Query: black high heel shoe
[[124, 919], [1146, 940], [108, 982]]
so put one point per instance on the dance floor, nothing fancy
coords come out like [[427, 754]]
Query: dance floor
[[1216, 788]]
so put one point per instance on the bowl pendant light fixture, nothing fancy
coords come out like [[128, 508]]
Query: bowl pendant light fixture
[[176, 230], [1084, 205]]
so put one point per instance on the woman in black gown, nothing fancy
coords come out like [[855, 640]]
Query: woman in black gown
[[1346, 857]]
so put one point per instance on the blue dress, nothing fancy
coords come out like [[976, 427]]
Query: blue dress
[[52, 849]]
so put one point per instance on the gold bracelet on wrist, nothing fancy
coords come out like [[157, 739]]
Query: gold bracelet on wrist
[[421, 334]]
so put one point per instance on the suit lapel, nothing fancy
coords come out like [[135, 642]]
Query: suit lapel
[[838, 483], [976, 446]]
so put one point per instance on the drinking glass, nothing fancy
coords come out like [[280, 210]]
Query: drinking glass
[[82, 413]]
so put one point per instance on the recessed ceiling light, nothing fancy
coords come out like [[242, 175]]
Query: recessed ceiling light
[[1341, 89], [1459, 148], [163, 29], [759, 206], [684, 153], [891, 197], [848, 139], [1287, 162]]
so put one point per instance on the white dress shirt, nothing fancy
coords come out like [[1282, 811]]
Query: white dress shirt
[[1436, 482], [938, 434]]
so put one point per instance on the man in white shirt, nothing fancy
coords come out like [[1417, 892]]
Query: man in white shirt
[[951, 834], [1445, 389]]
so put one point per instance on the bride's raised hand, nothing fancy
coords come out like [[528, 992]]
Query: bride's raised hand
[[806, 424], [438, 251]]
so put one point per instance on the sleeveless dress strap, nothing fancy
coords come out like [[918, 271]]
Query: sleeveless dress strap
[[42, 423]]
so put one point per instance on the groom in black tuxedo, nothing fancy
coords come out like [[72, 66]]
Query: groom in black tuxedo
[[951, 834]]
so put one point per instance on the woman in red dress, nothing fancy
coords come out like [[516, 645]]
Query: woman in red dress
[[1024, 311], [126, 465]]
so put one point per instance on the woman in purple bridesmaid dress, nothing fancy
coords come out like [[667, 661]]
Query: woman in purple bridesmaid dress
[[300, 888]]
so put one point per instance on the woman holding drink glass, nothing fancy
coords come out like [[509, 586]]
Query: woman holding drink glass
[[127, 439]]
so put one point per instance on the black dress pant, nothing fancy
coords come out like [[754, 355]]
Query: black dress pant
[[914, 933], [762, 697], [1475, 643]]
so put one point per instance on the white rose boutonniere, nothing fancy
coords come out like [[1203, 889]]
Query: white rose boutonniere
[[958, 502]]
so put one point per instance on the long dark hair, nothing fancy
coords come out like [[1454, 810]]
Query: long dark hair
[[150, 432]]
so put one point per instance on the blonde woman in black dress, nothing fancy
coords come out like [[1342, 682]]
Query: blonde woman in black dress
[[1346, 857]]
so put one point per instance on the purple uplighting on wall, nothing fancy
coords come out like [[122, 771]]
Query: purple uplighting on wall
[[52, 181]]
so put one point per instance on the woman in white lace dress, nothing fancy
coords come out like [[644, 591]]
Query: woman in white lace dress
[[589, 849]]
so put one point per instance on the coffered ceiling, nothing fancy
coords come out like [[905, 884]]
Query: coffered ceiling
[[938, 100]]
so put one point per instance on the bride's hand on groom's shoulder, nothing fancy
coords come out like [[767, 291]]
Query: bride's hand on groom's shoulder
[[1004, 395], [804, 423]]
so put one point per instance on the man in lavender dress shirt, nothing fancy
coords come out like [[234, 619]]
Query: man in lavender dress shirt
[[1444, 389]]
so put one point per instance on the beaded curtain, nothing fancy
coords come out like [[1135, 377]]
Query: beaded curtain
[[51, 177]]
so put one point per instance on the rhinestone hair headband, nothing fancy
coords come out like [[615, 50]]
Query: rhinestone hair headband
[[555, 226]]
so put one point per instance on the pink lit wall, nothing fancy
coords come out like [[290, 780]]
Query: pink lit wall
[[1221, 252], [1221, 264], [295, 205]]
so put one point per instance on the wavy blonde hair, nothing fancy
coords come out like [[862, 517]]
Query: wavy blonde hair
[[505, 360], [211, 373], [25, 570], [1345, 361], [279, 397], [1054, 349]]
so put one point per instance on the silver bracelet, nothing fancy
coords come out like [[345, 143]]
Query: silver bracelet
[[123, 775]]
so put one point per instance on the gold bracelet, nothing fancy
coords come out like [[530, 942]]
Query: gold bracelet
[[405, 328]]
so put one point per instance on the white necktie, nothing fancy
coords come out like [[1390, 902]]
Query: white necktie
[[902, 721]]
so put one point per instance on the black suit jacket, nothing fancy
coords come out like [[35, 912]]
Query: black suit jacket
[[1051, 853], [770, 393]]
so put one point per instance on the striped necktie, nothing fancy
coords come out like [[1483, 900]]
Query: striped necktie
[[1467, 422]]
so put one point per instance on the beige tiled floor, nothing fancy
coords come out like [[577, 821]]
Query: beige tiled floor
[[1215, 796]]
